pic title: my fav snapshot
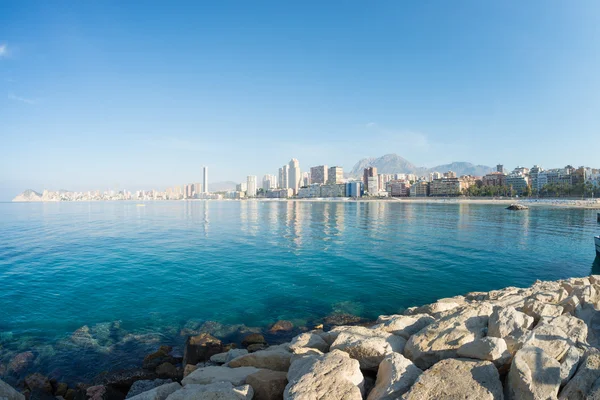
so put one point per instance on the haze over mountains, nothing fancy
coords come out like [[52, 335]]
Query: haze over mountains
[[393, 163]]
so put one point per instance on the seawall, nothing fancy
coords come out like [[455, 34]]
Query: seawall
[[539, 342]]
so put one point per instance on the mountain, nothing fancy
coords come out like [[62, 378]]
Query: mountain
[[225, 186], [394, 164], [28, 195]]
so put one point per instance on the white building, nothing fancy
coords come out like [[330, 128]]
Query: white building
[[373, 185], [269, 182], [294, 175], [284, 173], [205, 180], [251, 186]]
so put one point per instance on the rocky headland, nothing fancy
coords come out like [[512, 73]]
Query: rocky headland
[[540, 342]]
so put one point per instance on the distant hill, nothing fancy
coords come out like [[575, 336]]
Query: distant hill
[[224, 186], [394, 164], [28, 195]]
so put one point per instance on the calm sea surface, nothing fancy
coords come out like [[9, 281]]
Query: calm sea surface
[[170, 265]]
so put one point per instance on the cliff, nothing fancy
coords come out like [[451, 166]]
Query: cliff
[[28, 195]]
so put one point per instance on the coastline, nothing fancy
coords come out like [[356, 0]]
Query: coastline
[[491, 340], [575, 203]]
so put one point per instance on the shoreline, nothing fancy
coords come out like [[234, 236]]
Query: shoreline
[[574, 203], [490, 338]]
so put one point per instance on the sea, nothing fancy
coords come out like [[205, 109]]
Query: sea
[[87, 287]]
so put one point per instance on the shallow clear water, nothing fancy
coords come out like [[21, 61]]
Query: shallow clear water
[[158, 267]]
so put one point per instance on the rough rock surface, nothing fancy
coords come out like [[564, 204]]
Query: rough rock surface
[[368, 346], [207, 375], [200, 348], [458, 379], [267, 385], [443, 338], [403, 325], [310, 340], [277, 359], [158, 393], [395, 376], [585, 377], [145, 385], [488, 348], [213, 391], [332, 376], [7, 392], [553, 340], [533, 375], [509, 324]]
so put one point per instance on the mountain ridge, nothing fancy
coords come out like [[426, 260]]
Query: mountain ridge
[[393, 163]]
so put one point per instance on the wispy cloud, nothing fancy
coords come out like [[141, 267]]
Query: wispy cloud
[[3, 50], [21, 99]]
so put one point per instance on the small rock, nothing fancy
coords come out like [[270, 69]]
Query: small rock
[[166, 370], [253, 338], [159, 392], [123, 379], [276, 359], [213, 391], [267, 385], [235, 353], [257, 347], [70, 395], [395, 377], [151, 361], [38, 381], [20, 362], [145, 385], [281, 326], [488, 348], [200, 348], [341, 319], [458, 379], [403, 325], [61, 389], [533, 375], [219, 358], [206, 375]]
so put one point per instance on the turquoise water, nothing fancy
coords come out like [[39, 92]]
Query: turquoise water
[[170, 265]]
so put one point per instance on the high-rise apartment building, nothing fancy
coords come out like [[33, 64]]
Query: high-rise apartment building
[[319, 174], [500, 168], [284, 174], [205, 179], [294, 175], [335, 175], [306, 179], [251, 186], [197, 189], [269, 182], [369, 172]]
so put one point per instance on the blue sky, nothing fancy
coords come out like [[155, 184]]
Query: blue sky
[[142, 94]]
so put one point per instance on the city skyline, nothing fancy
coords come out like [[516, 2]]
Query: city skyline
[[81, 103]]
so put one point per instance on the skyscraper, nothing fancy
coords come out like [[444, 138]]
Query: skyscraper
[[336, 175], [319, 174], [500, 168], [205, 182], [284, 176], [294, 175], [251, 188], [369, 172], [269, 182]]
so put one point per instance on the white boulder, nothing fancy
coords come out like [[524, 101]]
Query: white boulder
[[213, 391], [207, 375], [488, 348], [395, 376], [533, 375], [588, 372], [403, 325], [274, 358], [158, 393], [310, 340]]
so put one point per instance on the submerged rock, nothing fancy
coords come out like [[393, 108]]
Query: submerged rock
[[151, 361], [253, 338], [20, 362], [517, 207], [281, 326], [458, 379], [200, 348]]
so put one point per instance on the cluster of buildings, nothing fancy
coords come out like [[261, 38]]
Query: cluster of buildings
[[324, 181]]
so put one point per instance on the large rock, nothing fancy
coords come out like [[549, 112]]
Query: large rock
[[594, 393], [267, 385], [8, 393], [332, 376], [20, 362], [310, 340], [395, 376], [443, 338], [533, 375], [368, 346], [571, 305], [281, 326], [207, 375], [274, 358], [145, 385], [123, 379], [575, 328], [38, 381], [569, 364], [458, 379], [158, 393], [488, 348], [403, 325], [438, 308], [200, 348], [553, 340], [253, 338], [538, 309], [162, 355], [213, 391], [588, 372]]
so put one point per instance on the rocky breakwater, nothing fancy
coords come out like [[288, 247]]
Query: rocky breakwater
[[539, 342]]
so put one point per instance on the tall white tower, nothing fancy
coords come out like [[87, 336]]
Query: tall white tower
[[205, 180], [294, 175], [251, 188]]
